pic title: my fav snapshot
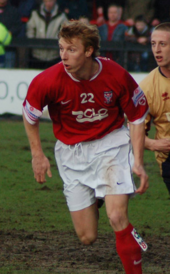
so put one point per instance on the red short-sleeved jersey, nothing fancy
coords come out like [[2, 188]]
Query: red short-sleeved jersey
[[85, 110]]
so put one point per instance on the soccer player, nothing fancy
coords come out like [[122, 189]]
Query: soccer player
[[156, 87], [87, 98]]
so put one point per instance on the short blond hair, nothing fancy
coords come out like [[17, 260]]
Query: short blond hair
[[163, 26], [87, 33]]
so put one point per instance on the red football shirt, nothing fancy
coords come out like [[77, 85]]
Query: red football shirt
[[85, 110]]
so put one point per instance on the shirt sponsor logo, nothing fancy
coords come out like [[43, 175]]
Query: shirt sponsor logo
[[89, 115], [108, 96], [138, 97]]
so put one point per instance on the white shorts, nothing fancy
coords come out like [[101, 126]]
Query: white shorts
[[95, 169]]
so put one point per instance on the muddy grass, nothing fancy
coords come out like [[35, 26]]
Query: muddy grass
[[55, 252]]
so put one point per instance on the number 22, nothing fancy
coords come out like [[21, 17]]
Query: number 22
[[87, 98]]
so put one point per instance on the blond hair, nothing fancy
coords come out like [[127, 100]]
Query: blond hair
[[163, 26], [88, 34]]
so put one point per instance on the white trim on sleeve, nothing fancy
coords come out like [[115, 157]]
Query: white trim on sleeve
[[141, 120]]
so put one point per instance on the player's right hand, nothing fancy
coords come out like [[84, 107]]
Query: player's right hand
[[41, 166], [162, 145]]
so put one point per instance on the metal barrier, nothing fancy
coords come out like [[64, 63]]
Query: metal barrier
[[23, 47]]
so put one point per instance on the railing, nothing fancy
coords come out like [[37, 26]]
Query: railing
[[23, 47]]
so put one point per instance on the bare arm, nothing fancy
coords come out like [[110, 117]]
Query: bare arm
[[162, 145], [137, 133], [40, 162]]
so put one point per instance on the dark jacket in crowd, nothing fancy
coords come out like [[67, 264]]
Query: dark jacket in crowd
[[10, 18], [77, 8], [117, 36], [25, 7], [162, 10]]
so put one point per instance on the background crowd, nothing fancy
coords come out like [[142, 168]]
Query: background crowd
[[117, 20]]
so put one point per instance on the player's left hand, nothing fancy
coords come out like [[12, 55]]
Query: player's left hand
[[140, 172]]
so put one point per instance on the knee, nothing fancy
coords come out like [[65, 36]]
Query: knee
[[88, 238], [118, 220]]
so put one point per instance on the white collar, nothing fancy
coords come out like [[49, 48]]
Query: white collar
[[100, 68]]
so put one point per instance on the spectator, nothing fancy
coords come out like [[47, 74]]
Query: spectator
[[25, 8], [99, 17], [74, 9], [134, 8], [139, 33], [5, 39], [114, 29], [10, 18], [45, 23], [101, 8]]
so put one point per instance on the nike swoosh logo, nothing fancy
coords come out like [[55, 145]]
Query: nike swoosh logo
[[119, 183], [137, 262], [63, 103]]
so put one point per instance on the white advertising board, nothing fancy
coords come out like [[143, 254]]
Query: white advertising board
[[13, 89]]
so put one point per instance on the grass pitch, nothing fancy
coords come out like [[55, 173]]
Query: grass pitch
[[26, 205]]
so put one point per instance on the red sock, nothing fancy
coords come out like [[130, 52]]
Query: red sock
[[129, 251]]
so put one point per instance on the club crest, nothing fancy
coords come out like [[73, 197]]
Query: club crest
[[108, 96]]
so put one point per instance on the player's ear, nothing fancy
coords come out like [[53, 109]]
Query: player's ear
[[89, 51]]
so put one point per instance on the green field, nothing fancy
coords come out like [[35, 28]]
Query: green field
[[27, 206]]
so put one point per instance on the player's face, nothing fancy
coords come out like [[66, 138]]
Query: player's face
[[73, 56], [160, 41]]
